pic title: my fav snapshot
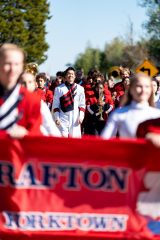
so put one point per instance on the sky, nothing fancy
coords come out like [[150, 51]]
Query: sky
[[76, 24]]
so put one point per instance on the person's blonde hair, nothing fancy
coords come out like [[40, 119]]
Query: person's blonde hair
[[10, 46], [133, 79]]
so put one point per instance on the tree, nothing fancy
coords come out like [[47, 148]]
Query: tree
[[114, 52], [134, 54], [153, 13], [154, 50], [117, 53], [23, 23], [91, 58], [153, 27], [125, 53]]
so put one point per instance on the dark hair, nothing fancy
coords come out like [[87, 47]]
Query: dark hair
[[41, 75], [157, 82], [68, 69], [98, 75], [93, 72], [59, 74]]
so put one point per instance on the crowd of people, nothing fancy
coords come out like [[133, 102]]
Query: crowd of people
[[122, 104]]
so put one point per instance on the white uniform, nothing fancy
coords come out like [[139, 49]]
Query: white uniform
[[69, 125], [48, 127], [125, 120]]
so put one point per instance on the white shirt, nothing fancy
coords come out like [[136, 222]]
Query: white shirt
[[157, 100], [48, 127], [69, 120], [125, 120]]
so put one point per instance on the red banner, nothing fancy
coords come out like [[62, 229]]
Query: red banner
[[57, 188]]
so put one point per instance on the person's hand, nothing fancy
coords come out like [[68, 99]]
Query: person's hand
[[97, 114], [81, 117], [154, 138], [17, 131], [101, 103], [58, 122], [80, 120], [106, 112]]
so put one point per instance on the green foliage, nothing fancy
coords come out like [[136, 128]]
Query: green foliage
[[153, 12], [91, 58], [117, 53], [114, 52], [133, 55], [23, 23], [154, 50], [127, 53], [120, 52], [153, 27]]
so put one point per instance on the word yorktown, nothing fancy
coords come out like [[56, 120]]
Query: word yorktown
[[62, 221]]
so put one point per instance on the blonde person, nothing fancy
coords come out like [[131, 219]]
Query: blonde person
[[19, 109], [48, 127], [138, 107]]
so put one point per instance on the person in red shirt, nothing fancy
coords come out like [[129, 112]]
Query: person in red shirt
[[48, 127], [90, 87], [150, 130], [19, 109], [121, 87], [99, 78], [91, 102], [47, 94], [98, 111]]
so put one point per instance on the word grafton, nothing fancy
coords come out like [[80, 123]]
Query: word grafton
[[69, 176]]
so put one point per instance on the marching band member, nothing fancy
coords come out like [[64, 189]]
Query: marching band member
[[98, 111], [19, 109], [58, 81], [121, 87], [138, 108], [69, 105], [150, 130], [47, 95], [48, 127]]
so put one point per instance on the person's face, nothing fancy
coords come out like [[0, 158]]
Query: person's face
[[40, 83], [11, 66], [98, 80], [79, 74], [155, 87], [58, 80], [125, 74], [99, 89], [126, 83], [110, 83], [70, 76], [28, 81], [141, 90], [158, 78], [89, 80]]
